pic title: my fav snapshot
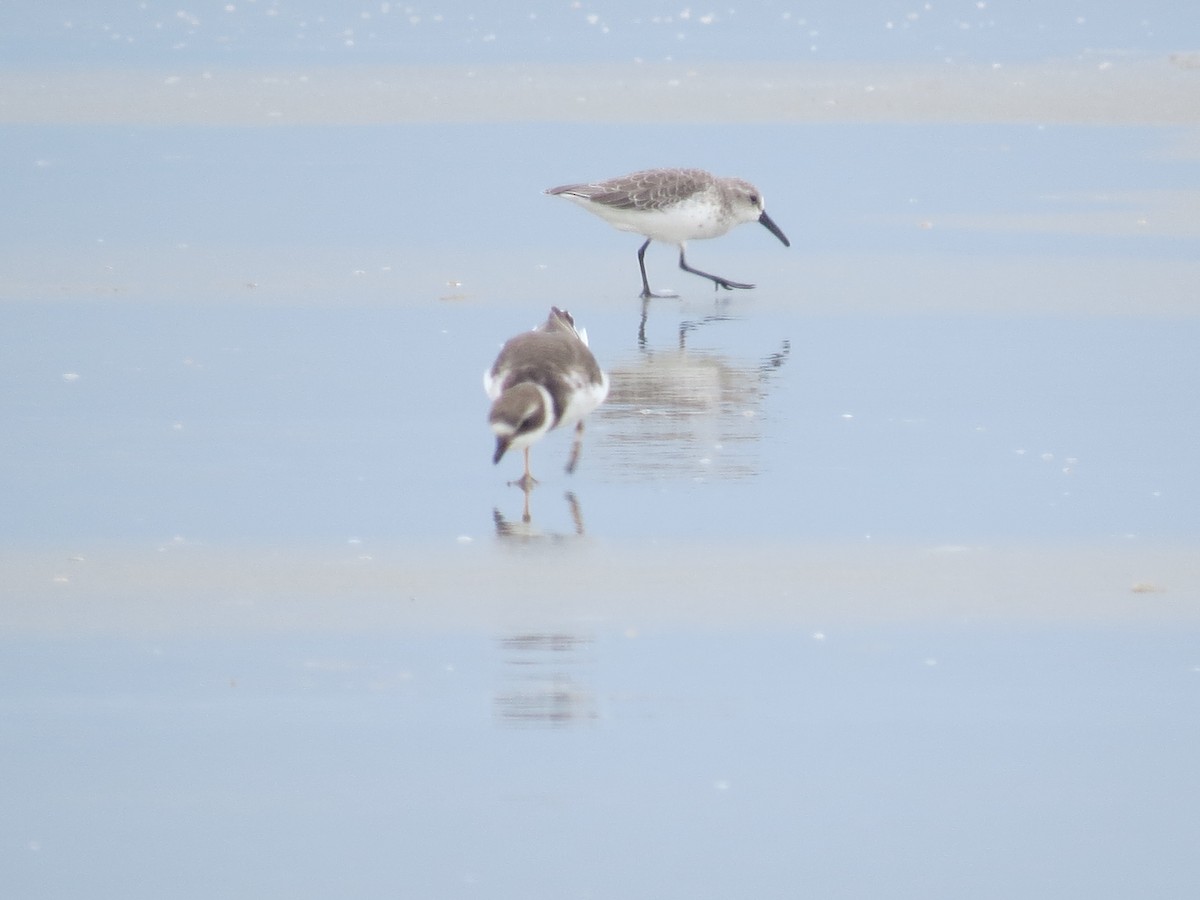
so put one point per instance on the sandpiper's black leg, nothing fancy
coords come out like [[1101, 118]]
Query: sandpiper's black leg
[[646, 292], [717, 280]]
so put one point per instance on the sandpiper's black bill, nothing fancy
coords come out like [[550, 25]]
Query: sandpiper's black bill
[[774, 229]]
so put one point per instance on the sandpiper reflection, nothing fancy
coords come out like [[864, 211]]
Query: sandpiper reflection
[[697, 413]]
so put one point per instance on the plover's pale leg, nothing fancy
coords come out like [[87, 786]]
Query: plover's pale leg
[[576, 448], [529, 479], [646, 292], [526, 481], [717, 280]]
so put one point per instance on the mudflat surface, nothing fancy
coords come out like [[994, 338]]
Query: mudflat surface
[[878, 580]]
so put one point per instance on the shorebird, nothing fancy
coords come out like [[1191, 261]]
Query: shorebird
[[673, 206], [543, 379]]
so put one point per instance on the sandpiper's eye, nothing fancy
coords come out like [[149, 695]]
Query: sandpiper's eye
[[754, 199]]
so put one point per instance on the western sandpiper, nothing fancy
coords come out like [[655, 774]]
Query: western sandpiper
[[543, 379], [673, 206]]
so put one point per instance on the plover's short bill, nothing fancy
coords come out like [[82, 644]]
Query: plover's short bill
[[543, 379], [673, 206]]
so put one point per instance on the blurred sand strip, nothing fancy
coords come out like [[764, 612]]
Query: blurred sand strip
[[544, 581], [1095, 89]]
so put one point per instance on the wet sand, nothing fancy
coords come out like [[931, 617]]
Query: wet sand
[[1101, 88], [547, 579]]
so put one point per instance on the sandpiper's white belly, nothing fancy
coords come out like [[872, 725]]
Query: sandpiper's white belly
[[696, 218]]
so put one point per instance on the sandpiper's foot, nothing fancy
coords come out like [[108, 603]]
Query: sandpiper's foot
[[730, 285], [717, 280]]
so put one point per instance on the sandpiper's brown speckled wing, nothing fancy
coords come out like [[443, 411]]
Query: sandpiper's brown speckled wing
[[651, 189]]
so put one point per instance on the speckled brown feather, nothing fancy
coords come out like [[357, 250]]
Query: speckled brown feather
[[641, 190]]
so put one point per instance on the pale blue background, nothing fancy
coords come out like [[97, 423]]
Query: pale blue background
[[225, 348]]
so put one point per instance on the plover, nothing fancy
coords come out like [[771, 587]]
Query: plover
[[543, 379], [673, 206]]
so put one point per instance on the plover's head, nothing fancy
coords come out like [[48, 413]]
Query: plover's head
[[748, 205], [519, 417]]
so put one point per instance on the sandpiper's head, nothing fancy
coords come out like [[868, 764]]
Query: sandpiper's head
[[519, 417], [748, 205]]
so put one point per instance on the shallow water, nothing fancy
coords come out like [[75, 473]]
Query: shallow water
[[878, 580], [901, 761], [217, 423]]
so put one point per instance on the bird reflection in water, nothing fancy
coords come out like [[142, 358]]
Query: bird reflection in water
[[526, 530], [681, 411], [542, 680]]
